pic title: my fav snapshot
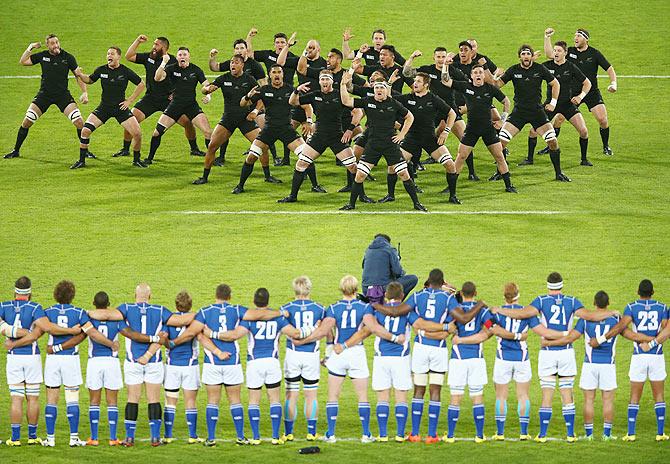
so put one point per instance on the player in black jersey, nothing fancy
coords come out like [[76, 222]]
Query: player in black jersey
[[234, 85], [387, 66], [114, 78], [568, 75], [478, 97], [447, 94], [327, 105], [275, 97], [184, 77], [158, 94], [427, 108], [251, 67], [382, 112], [527, 77], [56, 64], [588, 60], [371, 55]]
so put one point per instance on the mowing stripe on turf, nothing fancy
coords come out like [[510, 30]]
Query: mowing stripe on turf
[[290, 213]]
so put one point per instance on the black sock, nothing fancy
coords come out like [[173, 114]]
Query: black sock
[[557, 130], [298, 178], [507, 180], [287, 154], [266, 171], [391, 180], [411, 168], [132, 410], [154, 411], [362, 190], [205, 173], [605, 136], [411, 190], [194, 144], [206, 143], [20, 137], [356, 189], [136, 155], [350, 178], [78, 134], [155, 143], [247, 169], [584, 146], [311, 173], [222, 150], [273, 150], [82, 154], [451, 183], [470, 161], [126, 145], [555, 156], [532, 143]]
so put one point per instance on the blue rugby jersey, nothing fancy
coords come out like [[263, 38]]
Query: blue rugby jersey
[[432, 305], [147, 319], [397, 326], [263, 337], [606, 352], [222, 317], [557, 313], [348, 315], [513, 350], [66, 316], [647, 317], [185, 354], [109, 329], [303, 313], [22, 314], [471, 328]]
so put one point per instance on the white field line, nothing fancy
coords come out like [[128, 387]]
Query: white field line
[[339, 439], [624, 76], [307, 213]]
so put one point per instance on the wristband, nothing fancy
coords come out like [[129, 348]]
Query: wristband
[[566, 333], [247, 97], [581, 96], [422, 333], [172, 344], [296, 91], [553, 102], [154, 338], [601, 339], [517, 336], [503, 116], [86, 328], [255, 111], [447, 129], [394, 338], [351, 127], [309, 121], [653, 344], [344, 346], [613, 85], [214, 335], [14, 330], [446, 327], [57, 348]]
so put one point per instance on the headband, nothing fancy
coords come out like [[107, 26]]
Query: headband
[[555, 285], [381, 83], [22, 291], [326, 76], [583, 33]]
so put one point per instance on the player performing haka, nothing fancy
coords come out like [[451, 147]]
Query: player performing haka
[[56, 63], [371, 55], [184, 76], [114, 78], [158, 94]]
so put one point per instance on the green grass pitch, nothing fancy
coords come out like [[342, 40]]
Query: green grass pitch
[[109, 226]]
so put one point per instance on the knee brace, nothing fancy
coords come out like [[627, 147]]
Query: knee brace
[[476, 390], [548, 381], [32, 116], [172, 394], [550, 135], [160, 128], [304, 158], [298, 151], [255, 151], [32, 389], [566, 382], [457, 390], [400, 166], [505, 135], [71, 395], [17, 390], [444, 159], [89, 126], [363, 168], [420, 380], [76, 114], [436, 378], [310, 384], [349, 161]]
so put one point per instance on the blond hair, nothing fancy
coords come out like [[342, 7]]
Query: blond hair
[[349, 285], [302, 286]]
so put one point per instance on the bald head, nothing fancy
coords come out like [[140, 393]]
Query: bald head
[[313, 49], [142, 292]]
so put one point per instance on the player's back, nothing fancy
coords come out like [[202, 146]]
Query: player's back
[[348, 315], [432, 305], [513, 350], [21, 314], [263, 337], [109, 329], [185, 354], [473, 327], [147, 319], [66, 316], [303, 313], [399, 325], [605, 352], [222, 317], [648, 316], [557, 313]]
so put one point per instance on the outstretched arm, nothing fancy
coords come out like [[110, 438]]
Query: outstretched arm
[[54, 329], [105, 314], [377, 329], [12, 331], [346, 48], [254, 314], [227, 336], [407, 69], [475, 339], [595, 315], [548, 47], [180, 320], [525, 313], [191, 331], [32, 336], [464, 317], [393, 311], [360, 335]]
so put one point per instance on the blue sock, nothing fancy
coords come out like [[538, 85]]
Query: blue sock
[[417, 412], [478, 413], [130, 428], [275, 418], [192, 422], [94, 420], [155, 428], [168, 420], [313, 417], [72, 411], [16, 432], [50, 415], [255, 420], [433, 417], [237, 412], [289, 419], [113, 419], [212, 417], [32, 430], [588, 430], [452, 419], [545, 418], [364, 416], [569, 416], [660, 418], [607, 429], [632, 417], [501, 416], [401, 411], [383, 411], [311, 426], [332, 408], [524, 418]]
